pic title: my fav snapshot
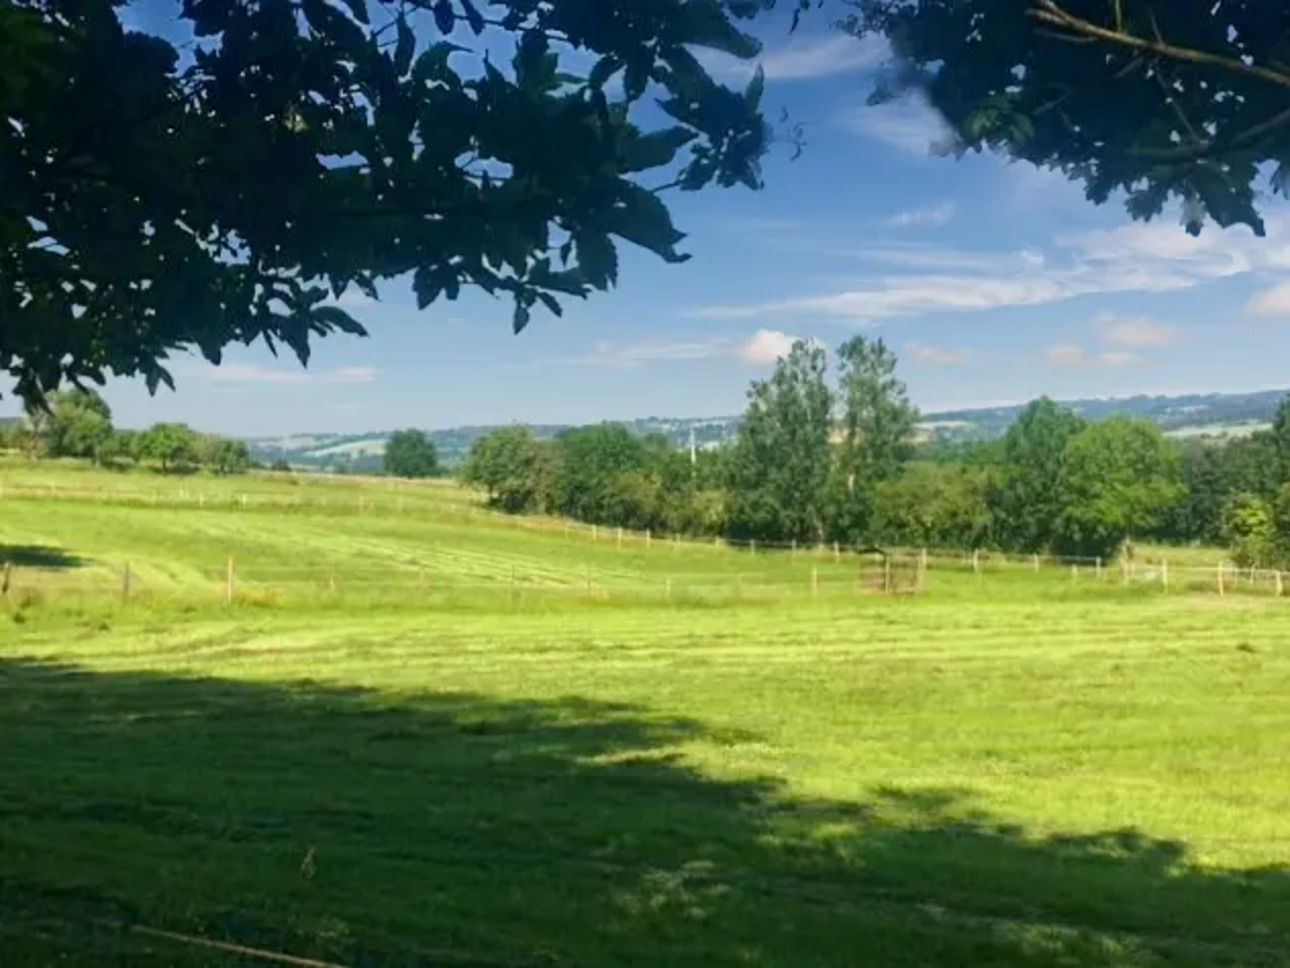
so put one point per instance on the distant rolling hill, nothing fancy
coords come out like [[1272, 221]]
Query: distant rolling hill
[[1188, 415]]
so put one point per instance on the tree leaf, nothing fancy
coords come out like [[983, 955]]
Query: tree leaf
[[641, 152], [597, 258], [445, 18], [551, 303], [604, 69], [520, 319], [642, 218], [404, 47], [756, 87], [473, 16], [426, 286]]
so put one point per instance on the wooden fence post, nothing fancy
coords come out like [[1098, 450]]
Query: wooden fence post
[[815, 581], [125, 582], [752, 547], [886, 574], [1164, 573], [1098, 572], [837, 553], [620, 537], [793, 553], [1222, 589], [649, 538], [229, 580], [976, 560], [1280, 582]]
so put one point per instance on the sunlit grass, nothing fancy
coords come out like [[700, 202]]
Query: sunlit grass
[[710, 758]]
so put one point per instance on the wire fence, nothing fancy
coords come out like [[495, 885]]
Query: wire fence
[[817, 575]]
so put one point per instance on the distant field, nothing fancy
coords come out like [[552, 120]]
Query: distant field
[[438, 748]]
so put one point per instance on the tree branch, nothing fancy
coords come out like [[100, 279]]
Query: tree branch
[[1049, 12]]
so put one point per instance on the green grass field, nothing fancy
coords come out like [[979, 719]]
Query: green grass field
[[456, 755]]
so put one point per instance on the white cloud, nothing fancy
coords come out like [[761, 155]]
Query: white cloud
[[1151, 258], [1136, 332], [1271, 302], [255, 373], [937, 355], [762, 348], [1073, 356], [765, 347], [631, 355], [909, 124], [934, 216], [803, 57]]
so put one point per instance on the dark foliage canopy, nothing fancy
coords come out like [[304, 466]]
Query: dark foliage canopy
[[231, 180], [1154, 101]]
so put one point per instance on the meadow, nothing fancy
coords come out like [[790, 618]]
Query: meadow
[[424, 735]]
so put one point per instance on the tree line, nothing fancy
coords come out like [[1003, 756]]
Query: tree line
[[78, 423], [827, 451]]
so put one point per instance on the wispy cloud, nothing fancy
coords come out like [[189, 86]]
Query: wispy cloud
[[1271, 302], [937, 355], [247, 373], [933, 216], [1154, 257], [910, 125], [802, 58], [1136, 332], [762, 348], [1074, 356]]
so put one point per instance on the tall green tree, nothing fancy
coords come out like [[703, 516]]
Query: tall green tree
[[588, 464], [1030, 493], [1281, 439], [1150, 102], [513, 467], [79, 424], [172, 445], [779, 465], [223, 178], [1118, 477], [877, 424], [409, 453]]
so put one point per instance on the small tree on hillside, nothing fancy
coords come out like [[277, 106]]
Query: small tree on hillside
[[409, 453], [225, 456], [172, 445]]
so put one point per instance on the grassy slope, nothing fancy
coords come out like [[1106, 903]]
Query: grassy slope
[[1050, 775]]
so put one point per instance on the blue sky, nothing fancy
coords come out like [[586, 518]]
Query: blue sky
[[994, 283]]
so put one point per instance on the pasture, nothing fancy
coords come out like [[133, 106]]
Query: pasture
[[416, 738]]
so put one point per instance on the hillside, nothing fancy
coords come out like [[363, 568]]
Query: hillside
[[1189, 415]]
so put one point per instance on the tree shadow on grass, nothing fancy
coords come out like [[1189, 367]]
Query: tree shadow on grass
[[39, 556], [450, 829]]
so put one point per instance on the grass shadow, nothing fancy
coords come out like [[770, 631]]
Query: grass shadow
[[39, 556], [457, 829]]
